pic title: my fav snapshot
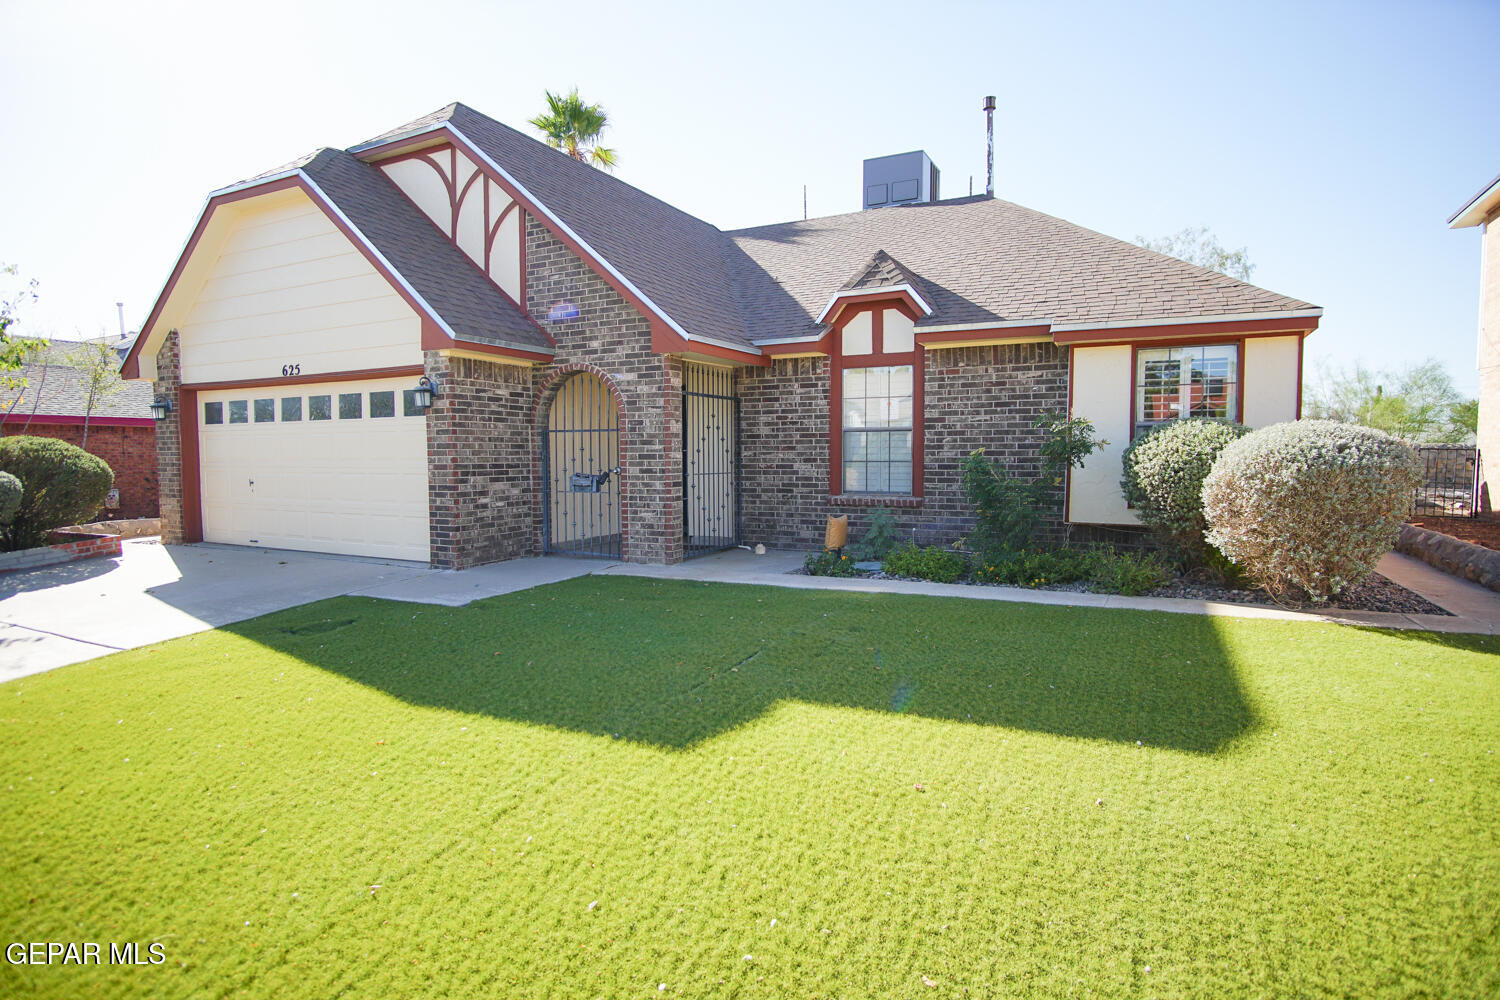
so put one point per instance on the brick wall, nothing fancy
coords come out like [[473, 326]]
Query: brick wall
[[130, 452], [169, 442], [612, 337], [975, 397], [478, 462]]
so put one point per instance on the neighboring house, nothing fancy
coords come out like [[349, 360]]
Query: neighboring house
[[1483, 210], [54, 403], [616, 377]]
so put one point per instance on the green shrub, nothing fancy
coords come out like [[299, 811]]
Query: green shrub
[[1164, 471], [879, 539], [1309, 506], [829, 564], [10, 498], [1035, 568], [1006, 507], [1128, 573], [1109, 571], [62, 485], [932, 563]]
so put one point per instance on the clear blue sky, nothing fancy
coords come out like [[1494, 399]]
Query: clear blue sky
[[1332, 140]]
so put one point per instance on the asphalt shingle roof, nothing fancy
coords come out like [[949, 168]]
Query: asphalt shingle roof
[[984, 260], [439, 272], [975, 260], [678, 261], [54, 388]]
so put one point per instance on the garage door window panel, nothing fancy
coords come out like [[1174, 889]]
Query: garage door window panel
[[291, 409], [213, 413], [382, 404], [239, 411], [409, 407], [265, 411], [351, 405], [320, 407]]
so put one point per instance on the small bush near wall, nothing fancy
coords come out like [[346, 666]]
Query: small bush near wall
[[1164, 473], [1309, 507], [10, 498], [61, 485], [834, 563], [932, 563]]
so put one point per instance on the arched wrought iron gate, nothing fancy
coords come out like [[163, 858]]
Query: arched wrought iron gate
[[710, 460], [581, 471]]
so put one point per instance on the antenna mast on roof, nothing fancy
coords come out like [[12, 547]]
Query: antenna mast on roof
[[989, 138], [804, 203]]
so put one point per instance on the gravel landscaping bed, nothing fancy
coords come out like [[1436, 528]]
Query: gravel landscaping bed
[[1375, 593]]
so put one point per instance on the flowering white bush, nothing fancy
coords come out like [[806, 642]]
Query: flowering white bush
[[1164, 471], [1311, 505]]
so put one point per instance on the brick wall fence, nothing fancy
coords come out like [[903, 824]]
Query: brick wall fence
[[975, 397], [612, 336], [130, 452]]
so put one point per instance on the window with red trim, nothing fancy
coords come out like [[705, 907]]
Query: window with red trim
[[875, 404], [1173, 383]]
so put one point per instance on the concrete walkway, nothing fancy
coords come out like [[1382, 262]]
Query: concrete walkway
[[77, 611], [1474, 609]]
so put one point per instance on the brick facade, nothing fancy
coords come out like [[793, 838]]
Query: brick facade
[[611, 336], [975, 397], [130, 452], [169, 441], [478, 462]]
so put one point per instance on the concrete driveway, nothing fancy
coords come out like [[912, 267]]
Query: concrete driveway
[[76, 611]]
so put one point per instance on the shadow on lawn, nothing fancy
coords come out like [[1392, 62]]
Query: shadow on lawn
[[672, 663]]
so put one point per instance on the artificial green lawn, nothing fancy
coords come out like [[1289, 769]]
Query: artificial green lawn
[[606, 785]]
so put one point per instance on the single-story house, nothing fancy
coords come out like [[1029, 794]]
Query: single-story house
[[454, 344], [52, 401], [1483, 210]]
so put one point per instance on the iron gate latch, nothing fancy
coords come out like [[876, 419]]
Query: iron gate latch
[[589, 482]]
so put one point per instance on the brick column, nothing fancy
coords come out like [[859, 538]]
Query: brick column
[[169, 442], [479, 448]]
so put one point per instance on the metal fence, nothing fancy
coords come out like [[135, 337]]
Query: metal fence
[[1450, 481]]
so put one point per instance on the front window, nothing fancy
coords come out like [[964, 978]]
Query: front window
[[877, 429], [1172, 383]]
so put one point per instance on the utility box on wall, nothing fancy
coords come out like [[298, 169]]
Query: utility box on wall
[[900, 179]]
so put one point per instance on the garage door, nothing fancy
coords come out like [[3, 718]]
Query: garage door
[[336, 467]]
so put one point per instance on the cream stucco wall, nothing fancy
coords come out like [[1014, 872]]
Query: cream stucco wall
[[287, 287], [1270, 379], [1489, 365], [1101, 389]]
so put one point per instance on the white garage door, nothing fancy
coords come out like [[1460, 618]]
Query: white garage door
[[335, 467]]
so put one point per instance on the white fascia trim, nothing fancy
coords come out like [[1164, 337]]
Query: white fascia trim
[[903, 287], [1475, 211], [441, 126], [811, 338], [144, 337], [982, 327], [389, 267], [597, 257], [1190, 320]]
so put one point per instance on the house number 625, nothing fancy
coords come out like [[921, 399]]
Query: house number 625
[[291, 369]]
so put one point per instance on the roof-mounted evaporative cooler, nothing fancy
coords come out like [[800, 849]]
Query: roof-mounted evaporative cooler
[[900, 179]]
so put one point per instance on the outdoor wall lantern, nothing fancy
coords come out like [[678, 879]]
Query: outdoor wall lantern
[[161, 407], [425, 392]]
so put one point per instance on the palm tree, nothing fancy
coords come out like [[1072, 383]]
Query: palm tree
[[575, 127]]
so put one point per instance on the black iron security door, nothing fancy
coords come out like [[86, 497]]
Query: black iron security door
[[710, 460], [581, 471]]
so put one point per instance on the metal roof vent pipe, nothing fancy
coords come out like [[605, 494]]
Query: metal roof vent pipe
[[989, 141]]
